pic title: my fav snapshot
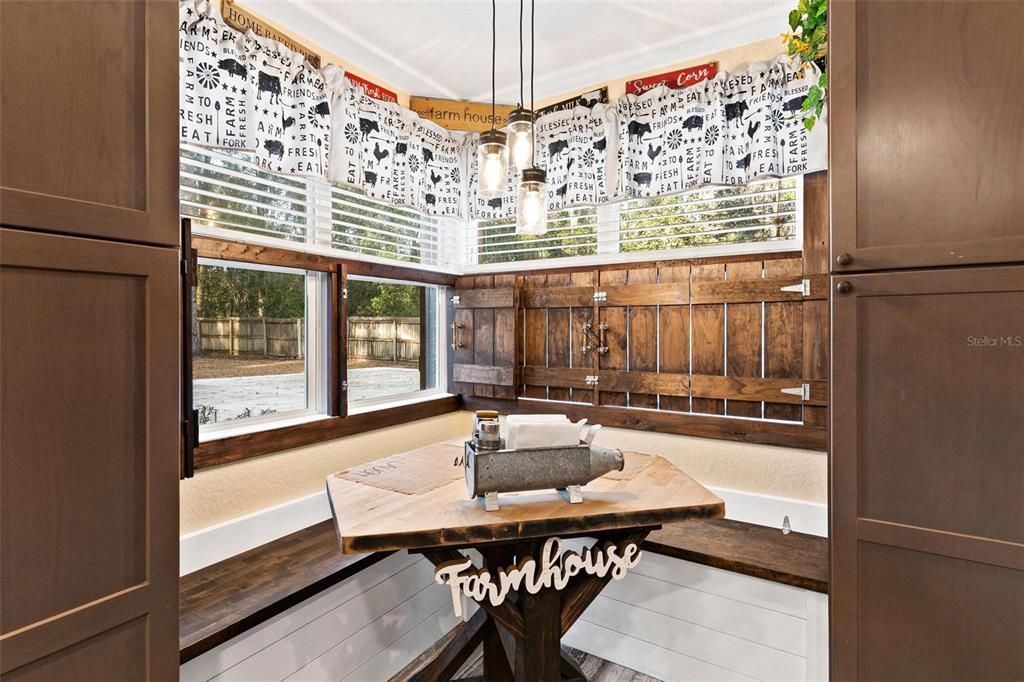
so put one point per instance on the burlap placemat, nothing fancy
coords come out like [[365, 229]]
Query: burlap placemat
[[635, 463], [410, 473]]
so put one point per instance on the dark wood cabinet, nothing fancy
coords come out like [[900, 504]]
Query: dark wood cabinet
[[90, 115], [927, 471], [89, 466], [926, 115], [90, 323]]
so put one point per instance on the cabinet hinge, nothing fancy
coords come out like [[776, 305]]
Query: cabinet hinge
[[592, 380], [456, 300], [600, 296], [344, 293], [344, 386]]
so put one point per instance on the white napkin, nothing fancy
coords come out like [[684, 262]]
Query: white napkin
[[541, 431]]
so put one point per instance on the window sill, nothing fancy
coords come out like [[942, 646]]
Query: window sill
[[252, 426], [367, 406]]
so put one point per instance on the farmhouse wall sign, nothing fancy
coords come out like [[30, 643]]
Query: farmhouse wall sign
[[554, 570], [372, 89], [458, 115], [681, 78], [243, 20]]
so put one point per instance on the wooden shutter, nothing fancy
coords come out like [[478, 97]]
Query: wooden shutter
[[482, 336]]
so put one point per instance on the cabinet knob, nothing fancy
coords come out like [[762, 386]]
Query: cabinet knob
[[844, 259], [844, 287]]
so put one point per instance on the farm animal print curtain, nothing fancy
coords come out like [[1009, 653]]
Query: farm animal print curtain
[[393, 154], [573, 147], [247, 92], [727, 131]]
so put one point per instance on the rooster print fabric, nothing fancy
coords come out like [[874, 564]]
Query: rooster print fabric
[[572, 147], [246, 92], [728, 131]]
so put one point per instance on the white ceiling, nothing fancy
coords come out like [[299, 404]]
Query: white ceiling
[[443, 49]]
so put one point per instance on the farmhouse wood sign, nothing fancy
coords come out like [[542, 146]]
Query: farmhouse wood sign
[[674, 80], [554, 570], [458, 115], [243, 20]]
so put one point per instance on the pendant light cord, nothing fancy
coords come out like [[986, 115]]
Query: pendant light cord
[[494, 57], [533, 128], [522, 99]]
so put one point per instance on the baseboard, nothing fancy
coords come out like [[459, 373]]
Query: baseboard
[[209, 545]]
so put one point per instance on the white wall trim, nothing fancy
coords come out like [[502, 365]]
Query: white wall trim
[[209, 545]]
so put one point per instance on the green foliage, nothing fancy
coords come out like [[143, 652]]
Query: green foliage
[[244, 292], [807, 42], [381, 299]]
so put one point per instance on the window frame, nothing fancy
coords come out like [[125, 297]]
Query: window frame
[[317, 355], [409, 397]]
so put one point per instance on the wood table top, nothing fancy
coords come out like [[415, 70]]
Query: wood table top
[[370, 518]]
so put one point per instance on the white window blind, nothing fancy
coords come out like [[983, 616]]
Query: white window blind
[[226, 190], [765, 213]]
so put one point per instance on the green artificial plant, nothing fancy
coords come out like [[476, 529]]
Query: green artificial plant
[[807, 42]]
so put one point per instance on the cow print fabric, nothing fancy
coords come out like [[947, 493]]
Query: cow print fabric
[[246, 92]]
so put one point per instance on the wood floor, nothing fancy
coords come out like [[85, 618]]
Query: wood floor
[[596, 669]]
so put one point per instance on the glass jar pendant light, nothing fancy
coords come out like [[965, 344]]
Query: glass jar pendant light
[[532, 202], [492, 155]]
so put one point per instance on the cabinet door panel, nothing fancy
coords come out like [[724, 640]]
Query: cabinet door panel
[[88, 471], [926, 459], [927, 155], [89, 129]]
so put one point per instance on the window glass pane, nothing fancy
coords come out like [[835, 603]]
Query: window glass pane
[[249, 342], [392, 339]]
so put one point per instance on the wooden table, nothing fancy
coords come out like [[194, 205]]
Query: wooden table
[[521, 636]]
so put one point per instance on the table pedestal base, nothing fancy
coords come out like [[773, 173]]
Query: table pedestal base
[[522, 635]]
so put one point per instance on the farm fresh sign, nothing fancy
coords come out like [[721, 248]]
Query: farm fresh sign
[[682, 78]]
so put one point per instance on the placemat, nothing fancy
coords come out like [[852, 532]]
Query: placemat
[[410, 473], [635, 463]]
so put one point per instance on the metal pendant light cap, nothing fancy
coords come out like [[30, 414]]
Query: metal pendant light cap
[[534, 175], [493, 136], [520, 115]]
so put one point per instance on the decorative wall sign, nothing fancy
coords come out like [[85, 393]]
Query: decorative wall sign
[[674, 80], [458, 115], [554, 570], [586, 99], [372, 89], [242, 20]]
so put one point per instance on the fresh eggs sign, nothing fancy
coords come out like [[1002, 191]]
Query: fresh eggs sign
[[682, 78]]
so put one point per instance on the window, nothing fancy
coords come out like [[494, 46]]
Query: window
[[763, 215], [259, 346], [393, 340], [225, 193]]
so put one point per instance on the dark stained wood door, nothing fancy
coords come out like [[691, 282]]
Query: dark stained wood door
[[927, 446], [925, 123], [90, 112], [89, 465]]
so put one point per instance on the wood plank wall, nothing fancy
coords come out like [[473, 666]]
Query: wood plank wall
[[700, 337]]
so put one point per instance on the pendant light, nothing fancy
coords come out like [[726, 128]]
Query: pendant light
[[492, 155], [520, 121], [532, 205]]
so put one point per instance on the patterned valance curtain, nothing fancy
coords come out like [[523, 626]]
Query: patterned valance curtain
[[246, 92]]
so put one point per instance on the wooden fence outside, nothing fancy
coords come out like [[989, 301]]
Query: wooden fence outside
[[270, 336], [384, 338]]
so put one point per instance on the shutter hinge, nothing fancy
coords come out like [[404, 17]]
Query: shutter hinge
[[592, 380], [344, 386], [803, 390], [804, 287], [456, 300], [344, 293], [600, 296]]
